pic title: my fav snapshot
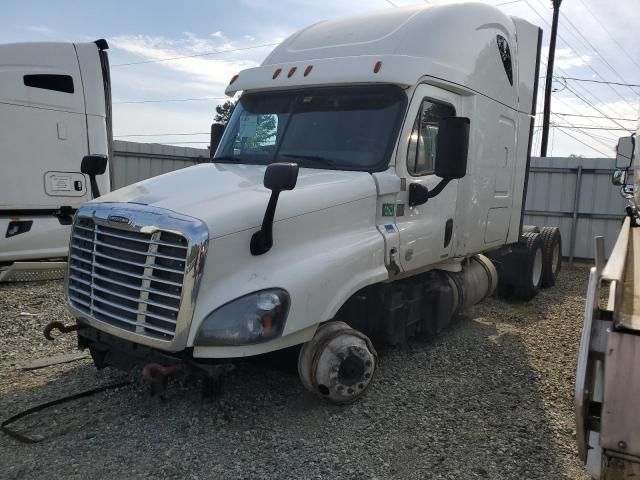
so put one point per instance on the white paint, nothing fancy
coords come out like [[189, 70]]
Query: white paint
[[330, 235], [44, 135]]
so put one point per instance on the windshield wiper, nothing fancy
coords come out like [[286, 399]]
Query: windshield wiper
[[225, 158], [316, 158]]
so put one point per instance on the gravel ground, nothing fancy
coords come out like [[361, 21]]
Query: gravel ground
[[490, 398]]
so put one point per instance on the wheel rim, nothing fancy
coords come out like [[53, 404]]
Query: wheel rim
[[556, 258], [537, 267]]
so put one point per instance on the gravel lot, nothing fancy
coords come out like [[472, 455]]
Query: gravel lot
[[491, 398]]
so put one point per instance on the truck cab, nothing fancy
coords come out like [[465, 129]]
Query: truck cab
[[367, 166], [55, 110]]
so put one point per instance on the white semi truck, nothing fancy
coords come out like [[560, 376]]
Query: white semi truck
[[56, 122], [368, 165]]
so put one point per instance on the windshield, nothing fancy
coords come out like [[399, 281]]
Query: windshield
[[346, 128]]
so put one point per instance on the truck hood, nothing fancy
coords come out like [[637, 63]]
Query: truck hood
[[230, 198]]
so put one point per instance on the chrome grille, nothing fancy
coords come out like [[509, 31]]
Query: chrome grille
[[132, 276]]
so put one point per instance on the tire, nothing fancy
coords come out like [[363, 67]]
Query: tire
[[551, 255], [529, 256]]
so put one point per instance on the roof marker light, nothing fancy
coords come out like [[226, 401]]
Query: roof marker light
[[276, 73], [377, 66], [307, 70], [233, 79], [292, 70]]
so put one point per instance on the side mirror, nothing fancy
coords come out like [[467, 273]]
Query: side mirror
[[281, 176], [452, 148], [625, 151], [94, 165], [619, 177], [217, 129], [277, 178]]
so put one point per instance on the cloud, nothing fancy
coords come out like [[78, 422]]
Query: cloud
[[204, 72], [566, 59], [40, 29]]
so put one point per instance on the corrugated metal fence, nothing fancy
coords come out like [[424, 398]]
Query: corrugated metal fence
[[134, 161], [574, 194]]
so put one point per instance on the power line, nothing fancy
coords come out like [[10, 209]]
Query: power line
[[592, 106], [590, 136], [507, 3], [171, 100], [562, 130], [391, 3], [588, 127], [609, 33], [572, 108], [596, 116], [575, 52], [593, 47], [631, 85], [214, 52]]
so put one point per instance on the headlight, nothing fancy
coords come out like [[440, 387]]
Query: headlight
[[254, 318]]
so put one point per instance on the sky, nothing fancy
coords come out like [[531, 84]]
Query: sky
[[173, 101]]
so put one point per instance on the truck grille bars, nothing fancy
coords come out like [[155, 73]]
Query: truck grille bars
[[132, 270]]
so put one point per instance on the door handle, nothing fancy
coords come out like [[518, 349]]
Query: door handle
[[448, 232]]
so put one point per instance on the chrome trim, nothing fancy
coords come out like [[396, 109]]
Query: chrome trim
[[147, 220]]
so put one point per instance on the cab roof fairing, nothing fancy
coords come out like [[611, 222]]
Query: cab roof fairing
[[456, 43]]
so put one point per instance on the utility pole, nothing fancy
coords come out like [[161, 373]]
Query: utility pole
[[549, 81]]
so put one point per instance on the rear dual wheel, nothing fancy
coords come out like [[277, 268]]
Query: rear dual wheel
[[551, 255], [529, 257]]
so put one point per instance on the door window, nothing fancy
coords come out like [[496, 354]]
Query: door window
[[421, 153]]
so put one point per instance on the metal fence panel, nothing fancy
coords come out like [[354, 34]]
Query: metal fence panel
[[576, 195], [553, 199], [134, 161]]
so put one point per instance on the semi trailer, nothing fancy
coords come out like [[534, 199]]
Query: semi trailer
[[55, 111], [607, 381], [369, 185]]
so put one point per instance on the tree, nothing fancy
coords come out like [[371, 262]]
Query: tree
[[224, 111]]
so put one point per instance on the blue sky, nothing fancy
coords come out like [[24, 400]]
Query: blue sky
[[140, 31]]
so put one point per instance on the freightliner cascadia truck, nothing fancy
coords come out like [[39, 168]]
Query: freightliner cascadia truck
[[55, 114], [369, 185]]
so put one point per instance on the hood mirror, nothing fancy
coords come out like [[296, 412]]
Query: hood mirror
[[277, 178], [217, 129], [94, 165]]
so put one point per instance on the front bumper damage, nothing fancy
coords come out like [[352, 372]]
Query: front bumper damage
[[157, 366]]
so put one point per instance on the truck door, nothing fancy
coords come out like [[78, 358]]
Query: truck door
[[426, 231]]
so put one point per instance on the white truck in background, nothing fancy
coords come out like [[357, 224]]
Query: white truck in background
[[55, 112], [368, 166]]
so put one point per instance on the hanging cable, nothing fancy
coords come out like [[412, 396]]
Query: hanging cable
[[608, 33], [562, 130]]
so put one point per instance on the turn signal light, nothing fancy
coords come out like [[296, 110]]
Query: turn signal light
[[291, 72], [276, 73], [307, 70]]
